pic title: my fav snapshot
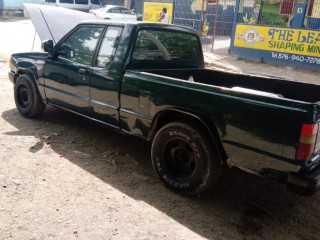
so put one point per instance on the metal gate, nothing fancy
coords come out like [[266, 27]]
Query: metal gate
[[212, 18]]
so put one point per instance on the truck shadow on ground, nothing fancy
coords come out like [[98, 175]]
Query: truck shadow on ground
[[242, 206]]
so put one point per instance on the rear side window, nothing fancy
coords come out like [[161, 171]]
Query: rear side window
[[125, 11], [95, 2], [114, 10], [152, 45], [51, 1], [66, 1], [108, 47], [82, 2]]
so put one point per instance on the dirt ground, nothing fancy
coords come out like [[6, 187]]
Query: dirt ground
[[62, 177]]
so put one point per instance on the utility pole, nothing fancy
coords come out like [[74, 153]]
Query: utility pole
[[127, 3], [201, 17]]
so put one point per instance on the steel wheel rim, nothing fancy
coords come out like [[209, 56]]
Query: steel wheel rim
[[179, 157], [23, 97]]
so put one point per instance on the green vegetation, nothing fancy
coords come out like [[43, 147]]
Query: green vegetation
[[270, 15]]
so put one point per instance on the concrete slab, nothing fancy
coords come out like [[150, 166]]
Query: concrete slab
[[234, 64]]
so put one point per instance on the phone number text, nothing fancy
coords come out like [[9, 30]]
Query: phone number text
[[298, 58]]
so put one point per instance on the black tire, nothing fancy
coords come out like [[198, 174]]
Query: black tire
[[27, 97], [185, 158]]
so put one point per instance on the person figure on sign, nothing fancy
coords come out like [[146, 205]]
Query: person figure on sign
[[164, 16]]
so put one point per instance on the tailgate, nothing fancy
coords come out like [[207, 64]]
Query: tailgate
[[302, 136]]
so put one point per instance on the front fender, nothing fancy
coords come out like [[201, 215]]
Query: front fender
[[34, 68], [167, 115]]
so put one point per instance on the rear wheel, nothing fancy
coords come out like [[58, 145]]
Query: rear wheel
[[27, 97], [185, 159]]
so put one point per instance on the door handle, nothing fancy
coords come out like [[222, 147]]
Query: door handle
[[82, 72]]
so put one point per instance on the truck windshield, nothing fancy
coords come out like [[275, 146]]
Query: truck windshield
[[180, 48]]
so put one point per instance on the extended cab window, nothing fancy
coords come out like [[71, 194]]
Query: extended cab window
[[80, 45], [108, 47], [152, 45]]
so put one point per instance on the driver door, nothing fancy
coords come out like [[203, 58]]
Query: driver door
[[67, 75]]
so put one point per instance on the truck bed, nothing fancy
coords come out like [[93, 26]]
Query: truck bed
[[262, 85]]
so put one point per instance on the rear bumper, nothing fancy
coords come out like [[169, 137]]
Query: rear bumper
[[11, 76], [304, 184]]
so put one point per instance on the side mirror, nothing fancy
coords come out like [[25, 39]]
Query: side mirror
[[47, 46], [66, 51], [70, 54]]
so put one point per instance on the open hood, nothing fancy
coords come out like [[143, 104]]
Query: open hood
[[53, 22]]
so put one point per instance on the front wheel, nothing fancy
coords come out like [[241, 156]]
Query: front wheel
[[185, 159], [27, 97]]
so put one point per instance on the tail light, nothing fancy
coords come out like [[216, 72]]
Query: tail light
[[307, 142]]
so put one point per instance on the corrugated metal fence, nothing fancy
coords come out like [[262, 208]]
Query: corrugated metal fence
[[213, 20]]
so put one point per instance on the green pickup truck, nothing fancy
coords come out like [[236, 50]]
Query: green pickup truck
[[149, 80]]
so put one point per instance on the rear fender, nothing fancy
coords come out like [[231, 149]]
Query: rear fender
[[170, 115]]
